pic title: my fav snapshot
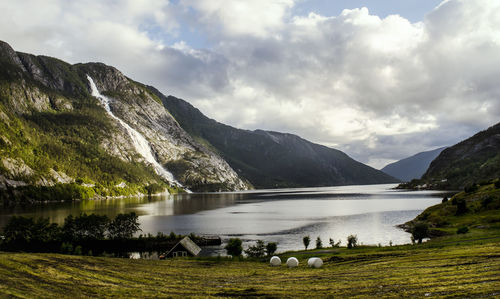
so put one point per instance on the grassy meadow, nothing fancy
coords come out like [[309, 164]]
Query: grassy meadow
[[451, 266]]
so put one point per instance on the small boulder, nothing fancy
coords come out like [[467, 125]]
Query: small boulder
[[275, 261], [292, 262], [315, 262]]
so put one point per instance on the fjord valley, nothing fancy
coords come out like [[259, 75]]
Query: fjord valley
[[62, 140], [412, 167], [235, 148]]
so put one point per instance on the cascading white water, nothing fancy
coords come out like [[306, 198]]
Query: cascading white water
[[140, 143]]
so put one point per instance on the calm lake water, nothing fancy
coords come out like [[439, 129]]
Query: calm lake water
[[282, 215]]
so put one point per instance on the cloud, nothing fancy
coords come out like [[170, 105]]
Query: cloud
[[378, 88], [260, 18]]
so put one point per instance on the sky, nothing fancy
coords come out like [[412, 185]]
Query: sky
[[378, 79]]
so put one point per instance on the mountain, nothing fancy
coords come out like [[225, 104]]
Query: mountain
[[271, 159], [412, 167], [87, 130], [474, 160]]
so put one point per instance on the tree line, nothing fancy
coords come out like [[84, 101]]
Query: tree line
[[84, 234]]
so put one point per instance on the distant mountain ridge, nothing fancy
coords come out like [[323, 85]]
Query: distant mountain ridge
[[271, 159], [412, 167], [71, 131], [474, 160]]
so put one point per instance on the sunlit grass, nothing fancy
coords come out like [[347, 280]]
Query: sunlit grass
[[444, 267]]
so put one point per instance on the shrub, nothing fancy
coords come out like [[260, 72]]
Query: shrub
[[486, 201], [333, 244], [271, 248], [445, 199], [462, 230], [352, 241], [66, 248], [319, 243], [233, 247], [419, 231], [471, 188], [306, 240], [78, 250], [497, 184], [257, 250], [461, 207]]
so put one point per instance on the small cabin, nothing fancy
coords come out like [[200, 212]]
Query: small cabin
[[185, 247]]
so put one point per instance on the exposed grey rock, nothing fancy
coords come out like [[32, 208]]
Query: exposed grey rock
[[60, 177], [45, 84], [4, 118], [9, 53], [17, 168], [171, 145]]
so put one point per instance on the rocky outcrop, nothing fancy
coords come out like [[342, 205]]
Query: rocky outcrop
[[193, 165], [40, 91]]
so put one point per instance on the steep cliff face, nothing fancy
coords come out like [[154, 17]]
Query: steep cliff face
[[51, 124], [272, 159]]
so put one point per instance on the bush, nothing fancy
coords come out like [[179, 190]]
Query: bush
[[419, 231], [461, 207], [66, 248], [462, 230], [78, 250], [445, 199], [497, 184], [486, 201], [471, 188], [306, 240], [257, 250], [333, 244], [234, 247], [352, 241], [271, 248], [319, 243]]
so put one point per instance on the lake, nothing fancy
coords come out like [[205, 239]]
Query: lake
[[280, 215]]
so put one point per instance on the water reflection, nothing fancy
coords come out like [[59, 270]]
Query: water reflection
[[283, 215]]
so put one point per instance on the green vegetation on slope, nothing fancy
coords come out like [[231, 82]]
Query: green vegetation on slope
[[57, 127], [473, 160], [475, 210]]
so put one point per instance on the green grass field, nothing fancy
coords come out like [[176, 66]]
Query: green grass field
[[449, 267]]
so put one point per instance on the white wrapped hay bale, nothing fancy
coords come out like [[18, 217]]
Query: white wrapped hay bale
[[275, 261], [315, 262], [292, 262]]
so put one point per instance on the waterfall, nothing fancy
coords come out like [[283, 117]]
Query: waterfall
[[140, 143]]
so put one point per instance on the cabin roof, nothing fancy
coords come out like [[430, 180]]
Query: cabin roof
[[189, 245]]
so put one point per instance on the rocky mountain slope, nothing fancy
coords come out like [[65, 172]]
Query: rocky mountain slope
[[53, 131], [473, 160], [412, 167], [271, 159]]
